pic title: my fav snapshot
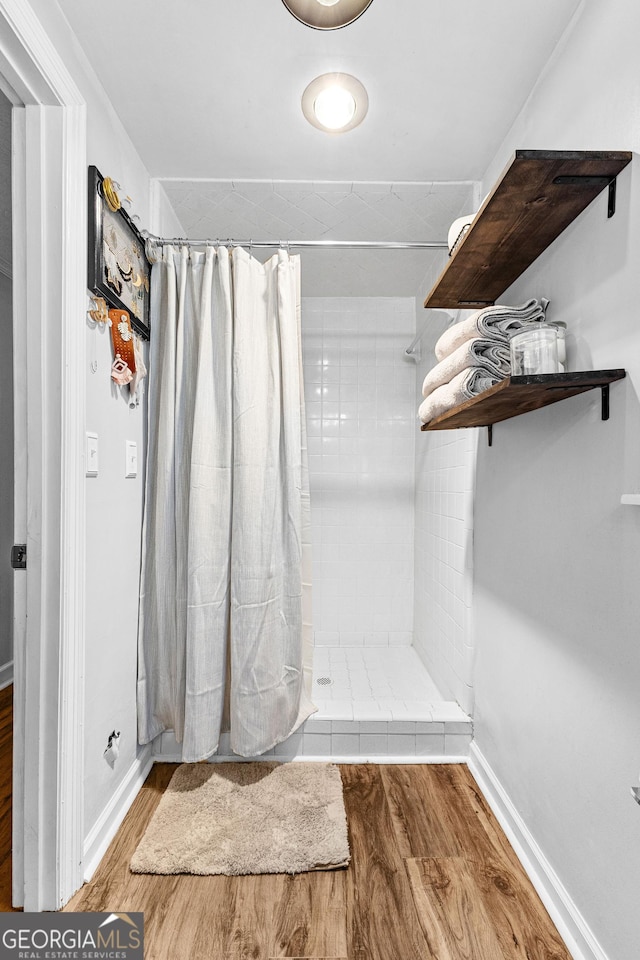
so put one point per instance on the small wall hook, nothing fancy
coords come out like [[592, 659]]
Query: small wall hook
[[101, 312]]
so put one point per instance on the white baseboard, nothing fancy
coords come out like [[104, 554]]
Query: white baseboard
[[303, 758], [106, 826], [569, 922], [6, 674]]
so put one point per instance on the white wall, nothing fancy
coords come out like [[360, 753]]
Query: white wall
[[360, 402], [114, 504], [557, 557]]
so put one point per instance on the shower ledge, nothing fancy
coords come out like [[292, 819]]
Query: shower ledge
[[443, 740], [368, 711]]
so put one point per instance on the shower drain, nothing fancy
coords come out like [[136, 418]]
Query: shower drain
[[323, 681]]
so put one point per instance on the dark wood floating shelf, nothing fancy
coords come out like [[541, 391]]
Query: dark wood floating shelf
[[516, 395], [540, 193]]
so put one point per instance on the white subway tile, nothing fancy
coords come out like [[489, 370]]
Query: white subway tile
[[456, 744], [291, 747], [345, 726], [373, 744], [429, 745], [447, 711], [377, 638], [317, 744], [402, 726], [312, 725], [345, 744], [458, 727], [365, 710], [325, 638], [429, 726], [418, 710], [335, 710], [401, 744]]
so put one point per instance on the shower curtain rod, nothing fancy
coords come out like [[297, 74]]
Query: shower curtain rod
[[303, 244]]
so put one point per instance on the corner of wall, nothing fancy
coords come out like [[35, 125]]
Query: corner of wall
[[568, 920], [163, 221], [106, 826]]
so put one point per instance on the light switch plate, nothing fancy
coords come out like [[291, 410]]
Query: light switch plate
[[91, 452], [131, 466]]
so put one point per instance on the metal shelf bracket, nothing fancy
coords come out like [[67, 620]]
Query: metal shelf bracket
[[611, 207], [586, 180]]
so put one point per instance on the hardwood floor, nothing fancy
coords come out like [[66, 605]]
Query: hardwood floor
[[6, 759], [432, 877]]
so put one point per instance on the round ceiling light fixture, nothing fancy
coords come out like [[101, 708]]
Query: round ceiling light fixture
[[335, 102], [326, 14]]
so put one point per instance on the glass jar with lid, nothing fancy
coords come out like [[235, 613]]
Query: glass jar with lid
[[535, 350]]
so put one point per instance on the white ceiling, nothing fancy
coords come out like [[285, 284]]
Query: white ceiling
[[208, 88], [209, 92]]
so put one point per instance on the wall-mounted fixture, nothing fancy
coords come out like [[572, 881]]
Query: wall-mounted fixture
[[326, 14], [112, 752], [335, 102]]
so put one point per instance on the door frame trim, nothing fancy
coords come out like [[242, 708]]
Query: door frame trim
[[49, 283]]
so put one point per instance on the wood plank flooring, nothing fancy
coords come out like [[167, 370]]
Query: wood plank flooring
[[6, 760], [432, 877]]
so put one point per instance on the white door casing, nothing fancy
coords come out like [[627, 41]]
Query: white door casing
[[49, 283]]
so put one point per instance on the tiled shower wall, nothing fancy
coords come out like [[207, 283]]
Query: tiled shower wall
[[360, 394], [445, 486], [443, 636]]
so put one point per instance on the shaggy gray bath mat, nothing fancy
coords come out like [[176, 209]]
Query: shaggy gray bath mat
[[241, 818]]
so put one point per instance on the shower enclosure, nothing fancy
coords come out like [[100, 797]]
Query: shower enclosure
[[373, 691], [391, 507], [383, 547]]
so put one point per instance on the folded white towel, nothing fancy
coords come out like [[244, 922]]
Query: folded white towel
[[481, 352], [499, 322], [466, 385]]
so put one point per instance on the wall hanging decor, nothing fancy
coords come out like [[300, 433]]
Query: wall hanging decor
[[118, 267], [123, 369]]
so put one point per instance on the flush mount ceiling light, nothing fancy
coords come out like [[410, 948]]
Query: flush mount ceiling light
[[327, 14], [335, 102]]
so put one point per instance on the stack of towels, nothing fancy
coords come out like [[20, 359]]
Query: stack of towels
[[473, 355]]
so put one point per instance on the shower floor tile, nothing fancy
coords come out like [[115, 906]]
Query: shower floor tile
[[376, 705], [379, 683]]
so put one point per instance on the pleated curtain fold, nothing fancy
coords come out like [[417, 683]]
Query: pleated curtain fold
[[225, 637]]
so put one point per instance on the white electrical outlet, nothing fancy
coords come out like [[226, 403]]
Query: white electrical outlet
[[131, 464], [91, 452]]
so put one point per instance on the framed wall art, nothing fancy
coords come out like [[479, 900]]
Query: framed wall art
[[118, 267]]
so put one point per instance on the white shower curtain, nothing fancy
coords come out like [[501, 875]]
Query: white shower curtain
[[225, 604]]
